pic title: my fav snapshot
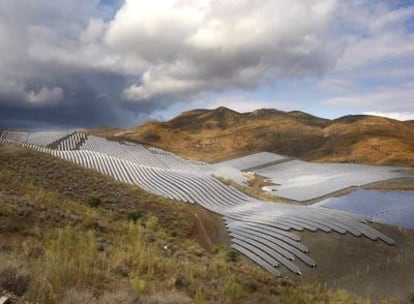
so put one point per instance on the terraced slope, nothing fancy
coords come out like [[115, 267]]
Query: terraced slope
[[260, 230]]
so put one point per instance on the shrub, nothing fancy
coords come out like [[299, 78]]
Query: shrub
[[134, 216], [150, 136], [5, 210], [138, 285], [94, 201], [233, 255], [13, 281], [232, 288], [45, 197], [152, 223]]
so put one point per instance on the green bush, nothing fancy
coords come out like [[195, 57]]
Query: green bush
[[233, 255], [94, 201], [134, 216]]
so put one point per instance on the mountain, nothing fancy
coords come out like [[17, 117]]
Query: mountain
[[214, 135]]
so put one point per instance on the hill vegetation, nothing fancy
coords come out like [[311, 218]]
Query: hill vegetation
[[214, 135], [70, 235]]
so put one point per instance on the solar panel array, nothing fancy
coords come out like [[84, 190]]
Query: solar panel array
[[41, 138], [392, 207], [262, 231], [301, 181], [254, 160]]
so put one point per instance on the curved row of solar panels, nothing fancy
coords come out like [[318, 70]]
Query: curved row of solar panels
[[260, 230], [304, 181]]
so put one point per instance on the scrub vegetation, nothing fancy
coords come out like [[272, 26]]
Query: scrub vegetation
[[70, 235], [221, 134]]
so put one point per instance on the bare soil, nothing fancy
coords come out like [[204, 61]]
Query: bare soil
[[209, 229], [214, 135], [363, 267], [366, 268]]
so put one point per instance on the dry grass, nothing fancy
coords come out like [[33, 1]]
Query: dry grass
[[306, 294], [215, 135], [5, 210], [79, 296], [411, 298], [13, 275], [70, 260], [255, 192], [70, 252]]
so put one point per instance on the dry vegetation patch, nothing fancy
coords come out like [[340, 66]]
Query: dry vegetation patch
[[215, 135], [70, 235]]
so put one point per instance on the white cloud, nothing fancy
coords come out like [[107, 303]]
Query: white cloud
[[336, 85], [94, 32], [394, 115], [45, 96], [376, 33], [162, 52], [194, 46], [383, 100]]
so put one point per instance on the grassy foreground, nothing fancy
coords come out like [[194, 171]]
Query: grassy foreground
[[70, 235]]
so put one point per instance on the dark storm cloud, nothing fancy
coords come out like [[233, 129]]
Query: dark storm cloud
[[91, 98], [87, 63], [69, 62], [40, 93]]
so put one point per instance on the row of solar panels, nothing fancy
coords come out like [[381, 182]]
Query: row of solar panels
[[74, 140], [259, 230]]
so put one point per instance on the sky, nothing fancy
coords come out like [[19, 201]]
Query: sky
[[77, 63]]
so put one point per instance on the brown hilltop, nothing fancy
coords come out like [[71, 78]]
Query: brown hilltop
[[213, 135]]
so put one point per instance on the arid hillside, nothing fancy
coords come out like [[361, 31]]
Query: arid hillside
[[214, 135], [71, 235]]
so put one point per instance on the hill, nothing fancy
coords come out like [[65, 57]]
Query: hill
[[71, 235], [214, 135]]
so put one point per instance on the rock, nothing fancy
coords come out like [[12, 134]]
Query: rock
[[4, 300]]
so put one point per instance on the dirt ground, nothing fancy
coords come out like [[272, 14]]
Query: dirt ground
[[209, 229], [406, 184], [363, 267]]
